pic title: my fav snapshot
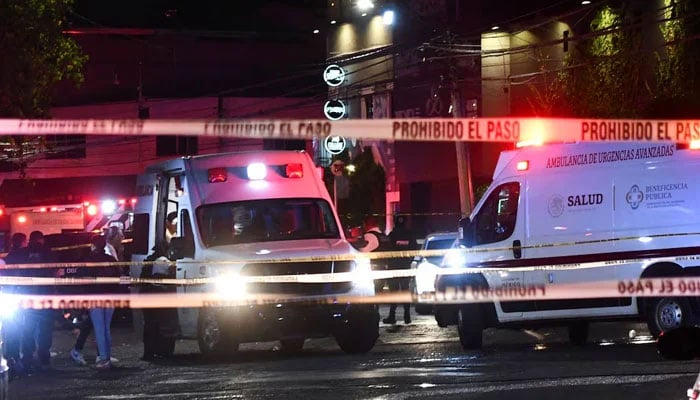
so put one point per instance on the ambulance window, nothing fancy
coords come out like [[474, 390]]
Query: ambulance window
[[496, 219], [186, 229], [266, 220]]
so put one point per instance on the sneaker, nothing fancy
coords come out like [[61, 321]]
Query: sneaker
[[77, 356], [389, 320], [111, 359], [103, 365]]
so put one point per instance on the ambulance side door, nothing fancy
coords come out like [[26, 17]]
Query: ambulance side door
[[499, 232]]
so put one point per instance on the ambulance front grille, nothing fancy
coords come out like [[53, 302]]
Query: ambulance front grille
[[304, 289]]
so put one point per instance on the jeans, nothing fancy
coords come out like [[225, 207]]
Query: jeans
[[101, 320], [37, 335]]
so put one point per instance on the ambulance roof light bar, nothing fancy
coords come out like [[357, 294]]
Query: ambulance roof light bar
[[256, 171], [294, 171], [217, 175]]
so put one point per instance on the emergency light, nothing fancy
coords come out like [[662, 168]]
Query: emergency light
[[217, 175], [294, 171], [694, 145], [257, 171], [92, 210], [522, 165]]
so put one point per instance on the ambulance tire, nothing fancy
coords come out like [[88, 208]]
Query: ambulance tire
[[290, 346], [213, 337], [578, 333], [470, 326], [666, 313], [359, 332]]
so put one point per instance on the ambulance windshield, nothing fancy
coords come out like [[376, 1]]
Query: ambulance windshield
[[265, 221]]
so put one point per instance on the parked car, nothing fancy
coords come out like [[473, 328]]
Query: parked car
[[426, 269]]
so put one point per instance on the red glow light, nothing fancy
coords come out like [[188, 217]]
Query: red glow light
[[92, 210], [217, 175], [294, 171]]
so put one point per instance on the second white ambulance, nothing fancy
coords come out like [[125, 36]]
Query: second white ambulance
[[599, 211]]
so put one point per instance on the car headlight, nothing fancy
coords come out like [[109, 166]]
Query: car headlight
[[425, 277], [231, 285], [362, 275], [454, 258]]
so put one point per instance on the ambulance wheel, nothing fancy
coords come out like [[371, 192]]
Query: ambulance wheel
[[666, 313], [470, 326], [213, 337], [359, 331], [578, 333], [292, 345]]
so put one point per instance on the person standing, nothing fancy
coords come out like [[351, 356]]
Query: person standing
[[401, 239], [375, 240], [102, 316], [160, 325], [115, 236], [38, 324], [85, 325], [14, 325]]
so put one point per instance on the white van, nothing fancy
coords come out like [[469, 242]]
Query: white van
[[243, 207], [609, 211]]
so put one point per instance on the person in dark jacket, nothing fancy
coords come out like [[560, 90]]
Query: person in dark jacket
[[160, 325], [38, 324], [102, 316], [401, 239]]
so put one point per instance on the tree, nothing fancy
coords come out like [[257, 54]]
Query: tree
[[36, 56], [619, 69]]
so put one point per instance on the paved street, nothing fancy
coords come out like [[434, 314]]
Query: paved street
[[415, 361]]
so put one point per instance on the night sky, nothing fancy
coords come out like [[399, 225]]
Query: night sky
[[274, 15], [257, 15]]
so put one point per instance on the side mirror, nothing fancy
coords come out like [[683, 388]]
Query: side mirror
[[179, 248], [680, 344], [467, 232]]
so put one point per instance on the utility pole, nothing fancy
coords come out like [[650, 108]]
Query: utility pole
[[464, 175]]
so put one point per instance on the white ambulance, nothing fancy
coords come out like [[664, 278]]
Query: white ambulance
[[599, 211], [243, 207]]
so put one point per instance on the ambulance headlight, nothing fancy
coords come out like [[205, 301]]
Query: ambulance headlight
[[454, 258], [8, 305], [425, 277], [362, 275], [231, 285]]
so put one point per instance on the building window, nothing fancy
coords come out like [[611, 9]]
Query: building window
[[65, 146], [176, 145]]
